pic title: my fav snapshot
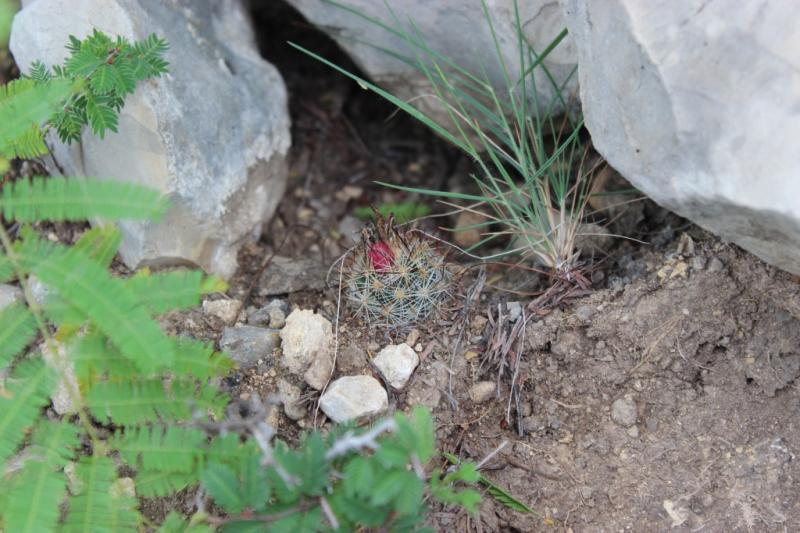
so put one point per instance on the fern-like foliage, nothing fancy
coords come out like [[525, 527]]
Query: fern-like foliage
[[19, 328], [111, 67], [24, 106], [36, 491], [89, 89], [60, 198], [99, 503], [101, 327], [24, 393]]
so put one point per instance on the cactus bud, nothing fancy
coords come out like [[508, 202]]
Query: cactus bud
[[381, 256]]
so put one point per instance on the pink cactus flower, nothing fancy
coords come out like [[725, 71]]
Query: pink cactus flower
[[381, 256]]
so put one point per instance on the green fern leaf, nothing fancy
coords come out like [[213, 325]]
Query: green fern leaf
[[100, 243], [306, 522], [255, 488], [165, 291], [34, 497], [35, 492], [132, 403], [28, 145], [198, 359], [6, 269], [98, 42], [58, 198], [158, 484], [95, 358], [59, 311], [103, 79], [149, 52], [175, 523], [24, 104], [151, 46], [56, 440], [90, 288], [228, 449], [68, 124], [83, 62], [74, 44], [25, 393], [102, 117], [39, 72], [124, 79], [170, 449], [221, 483], [18, 329], [100, 505], [178, 289]]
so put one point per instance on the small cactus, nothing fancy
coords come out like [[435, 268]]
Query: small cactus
[[395, 278]]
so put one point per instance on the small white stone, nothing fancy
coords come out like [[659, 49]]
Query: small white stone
[[354, 397], [8, 295], [123, 487], [624, 411], [514, 311], [396, 363], [304, 335], [290, 398], [320, 370], [39, 291], [62, 363], [225, 310], [482, 391], [246, 345], [413, 337]]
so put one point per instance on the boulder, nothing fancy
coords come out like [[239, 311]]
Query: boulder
[[212, 134], [454, 28], [696, 105]]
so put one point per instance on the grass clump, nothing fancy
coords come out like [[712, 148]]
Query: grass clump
[[531, 179]]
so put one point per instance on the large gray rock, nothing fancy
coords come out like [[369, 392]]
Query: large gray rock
[[454, 28], [696, 103], [212, 134]]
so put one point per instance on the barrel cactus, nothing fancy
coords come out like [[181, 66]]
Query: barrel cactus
[[395, 278]]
